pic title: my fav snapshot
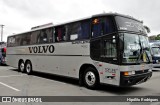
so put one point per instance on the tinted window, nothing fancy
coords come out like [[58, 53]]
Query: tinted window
[[84, 30], [102, 26], [95, 49], [45, 36], [34, 36], [78, 30], [23, 39], [110, 48], [129, 24], [73, 30], [60, 33], [11, 41], [42, 36]]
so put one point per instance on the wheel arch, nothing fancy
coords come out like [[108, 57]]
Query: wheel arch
[[82, 69]]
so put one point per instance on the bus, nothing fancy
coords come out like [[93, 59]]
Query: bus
[[155, 50], [2, 53], [107, 48]]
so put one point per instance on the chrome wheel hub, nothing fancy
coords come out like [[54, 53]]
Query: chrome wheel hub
[[28, 68], [90, 78], [22, 67]]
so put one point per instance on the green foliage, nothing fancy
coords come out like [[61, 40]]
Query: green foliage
[[157, 38], [158, 35], [154, 37]]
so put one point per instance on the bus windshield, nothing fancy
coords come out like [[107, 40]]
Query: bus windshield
[[156, 50], [135, 48], [128, 24]]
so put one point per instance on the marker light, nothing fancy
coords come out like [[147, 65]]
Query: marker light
[[95, 21], [127, 73]]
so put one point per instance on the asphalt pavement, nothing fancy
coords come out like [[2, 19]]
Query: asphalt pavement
[[13, 83]]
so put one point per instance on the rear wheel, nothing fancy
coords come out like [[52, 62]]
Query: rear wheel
[[28, 67], [91, 78], [21, 67]]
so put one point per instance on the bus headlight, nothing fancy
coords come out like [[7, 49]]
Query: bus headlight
[[127, 73]]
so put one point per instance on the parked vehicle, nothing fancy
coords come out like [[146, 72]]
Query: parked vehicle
[[2, 53], [155, 56], [106, 48]]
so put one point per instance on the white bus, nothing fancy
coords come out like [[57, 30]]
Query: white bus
[[107, 48]]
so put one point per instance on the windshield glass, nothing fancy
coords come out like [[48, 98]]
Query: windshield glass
[[128, 24], [156, 50], [135, 48]]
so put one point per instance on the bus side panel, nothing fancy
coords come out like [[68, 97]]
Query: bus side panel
[[12, 60], [66, 59]]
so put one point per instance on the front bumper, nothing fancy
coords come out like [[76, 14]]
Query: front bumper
[[156, 66], [134, 79]]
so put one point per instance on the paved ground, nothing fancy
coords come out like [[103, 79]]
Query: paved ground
[[13, 83]]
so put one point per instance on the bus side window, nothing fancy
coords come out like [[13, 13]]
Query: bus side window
[[11, 41], [84, 31], [96, 27], [42, 37], [108, 25], [102, 26], [60, 34], [25, 39], [17, 40], [72, 31], [50, 35], [34, 36]]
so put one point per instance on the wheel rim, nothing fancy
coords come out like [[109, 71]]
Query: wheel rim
[[90, 78], [22, 67], [28, 68]]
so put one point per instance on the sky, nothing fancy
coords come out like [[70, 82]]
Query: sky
[[20, 15]]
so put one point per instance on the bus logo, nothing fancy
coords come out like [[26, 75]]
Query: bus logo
[[41, 49]]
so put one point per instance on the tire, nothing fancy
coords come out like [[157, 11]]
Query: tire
[[28, 67], [21, 67], [91, 78]]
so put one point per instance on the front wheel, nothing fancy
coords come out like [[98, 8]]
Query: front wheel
[[28, 67], [91, 78]]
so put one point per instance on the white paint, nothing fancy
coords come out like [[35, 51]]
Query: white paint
[[9, 86], [12, 75]]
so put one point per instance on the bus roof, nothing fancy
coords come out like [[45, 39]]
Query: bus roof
[[116, 14], [97, 15]]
